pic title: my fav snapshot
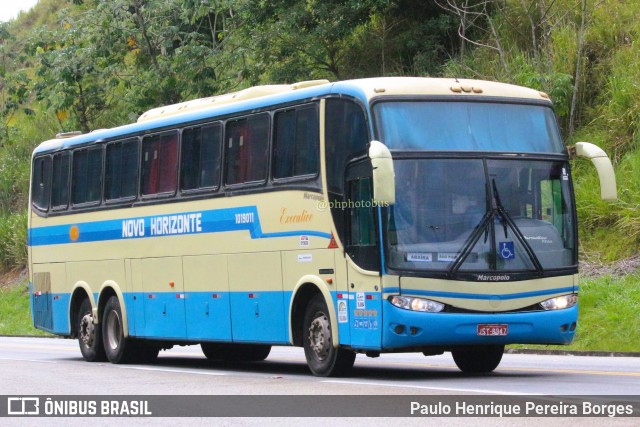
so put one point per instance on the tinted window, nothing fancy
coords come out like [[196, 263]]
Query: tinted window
[[247, 143], [295, 149], [201, 157], [60, 181], [346, 136], [41, 182], [160, 163], [87, 175], [121, 175], [362, 225]]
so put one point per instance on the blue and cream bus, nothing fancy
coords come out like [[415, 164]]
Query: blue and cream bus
[[367, 216]]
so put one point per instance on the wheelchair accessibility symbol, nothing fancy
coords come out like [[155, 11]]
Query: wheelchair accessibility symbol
[[507, 250]]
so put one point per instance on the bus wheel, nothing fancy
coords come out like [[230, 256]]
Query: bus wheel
[[89, 334], [235, 352], [323, 358], [254, 352], [478, 360], [213, 351], [117, 348]]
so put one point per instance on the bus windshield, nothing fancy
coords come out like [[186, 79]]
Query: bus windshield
[[467, 126], [481, 215]]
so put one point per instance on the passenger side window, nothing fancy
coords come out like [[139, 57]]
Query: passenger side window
[[121, 177], [60, 181], [201, 157], [41, 183], [160, 164], [296, 143], [247, 144], [87, 176]]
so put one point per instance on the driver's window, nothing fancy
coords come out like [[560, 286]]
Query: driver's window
[[362, 224], [360, 216]]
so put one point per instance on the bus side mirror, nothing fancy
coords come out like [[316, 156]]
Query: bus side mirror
[[384, 182], [603, 166]]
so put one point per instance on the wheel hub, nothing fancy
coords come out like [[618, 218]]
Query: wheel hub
[[87, 331], [320, 336]]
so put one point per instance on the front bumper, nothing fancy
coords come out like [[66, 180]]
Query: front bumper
[[409, 329]]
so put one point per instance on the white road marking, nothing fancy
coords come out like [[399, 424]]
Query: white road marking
[[27, 360], [179, 371]]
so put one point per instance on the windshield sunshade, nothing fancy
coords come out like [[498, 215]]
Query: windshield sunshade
[[467, 126]]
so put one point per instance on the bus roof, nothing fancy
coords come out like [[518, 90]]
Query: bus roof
[[263, 96]]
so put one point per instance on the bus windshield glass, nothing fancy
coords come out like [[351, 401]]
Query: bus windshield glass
[[467, 126], [481, 215]]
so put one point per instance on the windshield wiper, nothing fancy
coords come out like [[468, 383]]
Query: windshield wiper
[[505, 219], [497, 206], [486, 227]]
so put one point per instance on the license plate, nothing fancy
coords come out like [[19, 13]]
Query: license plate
[[493, 330]]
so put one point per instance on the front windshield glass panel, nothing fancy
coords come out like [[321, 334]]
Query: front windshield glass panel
[[476, 215], [467, 126]]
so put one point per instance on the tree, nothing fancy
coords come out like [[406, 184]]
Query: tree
[[479, 17], [406, 37], [165, 51], [301, 40], [70, 81], [14, 83]]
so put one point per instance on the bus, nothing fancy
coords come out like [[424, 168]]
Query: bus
[[368, 216]]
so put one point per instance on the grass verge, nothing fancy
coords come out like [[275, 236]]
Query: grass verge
[[608, 318], [15, 316]]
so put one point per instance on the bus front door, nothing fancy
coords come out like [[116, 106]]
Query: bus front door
[[363, 265]]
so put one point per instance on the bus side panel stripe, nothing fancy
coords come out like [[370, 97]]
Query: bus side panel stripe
[[199, 222]]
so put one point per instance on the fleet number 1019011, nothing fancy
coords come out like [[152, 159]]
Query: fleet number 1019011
[[244, 218]]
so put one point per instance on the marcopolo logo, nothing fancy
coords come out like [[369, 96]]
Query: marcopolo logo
[[23, 406], [493, 278]]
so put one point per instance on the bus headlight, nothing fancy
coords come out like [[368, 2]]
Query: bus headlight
[[558, 303], [416, 304]]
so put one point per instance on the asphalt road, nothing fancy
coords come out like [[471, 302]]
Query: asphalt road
[[49, 366]]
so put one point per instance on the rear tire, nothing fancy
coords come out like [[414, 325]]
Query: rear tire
[[478, 360], [323, 359], [117, 348], [235, 352], [89, 334]]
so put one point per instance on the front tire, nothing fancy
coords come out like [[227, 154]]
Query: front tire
[[89, 334], [478, 360], [323, 359], [117, 348]]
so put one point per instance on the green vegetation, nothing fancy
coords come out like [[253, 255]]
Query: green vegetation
[[15, 317], [87, 64], [609, 314], [608, 319]]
